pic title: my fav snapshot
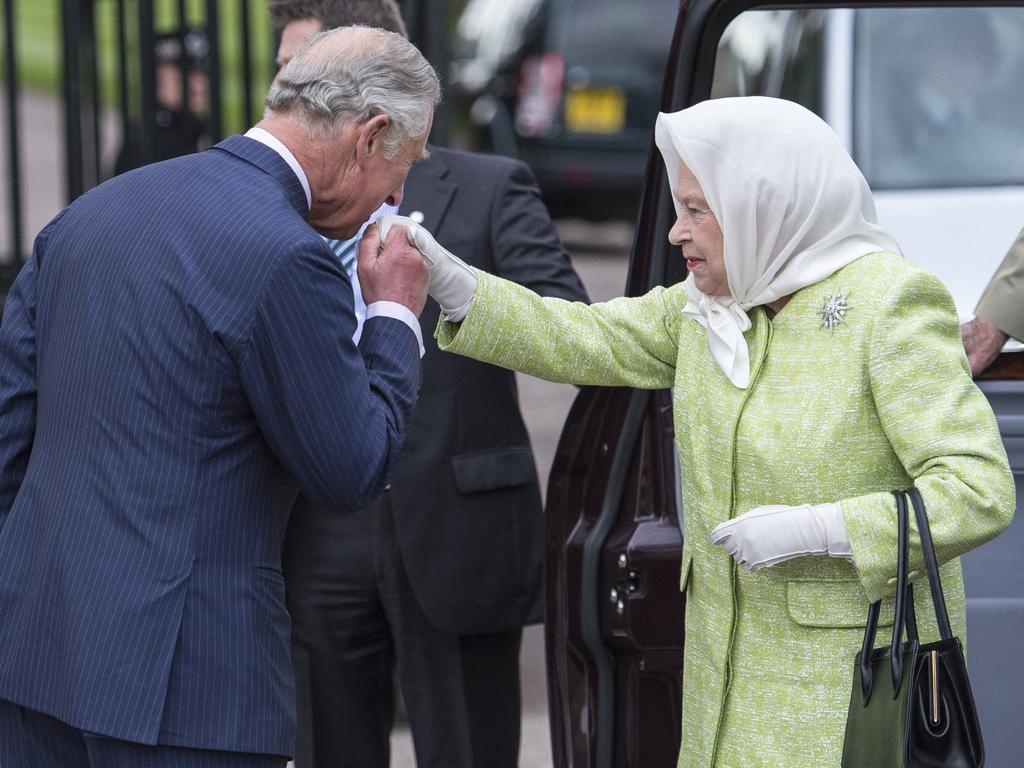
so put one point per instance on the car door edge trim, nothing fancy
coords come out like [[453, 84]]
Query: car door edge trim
[[590, 602]]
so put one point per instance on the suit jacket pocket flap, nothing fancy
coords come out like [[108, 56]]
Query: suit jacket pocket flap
[[492, 470], [832, 604]]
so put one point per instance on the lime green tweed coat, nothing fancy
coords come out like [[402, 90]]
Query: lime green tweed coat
[[883, 400]]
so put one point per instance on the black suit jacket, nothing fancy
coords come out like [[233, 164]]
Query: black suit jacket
[[465, 494]]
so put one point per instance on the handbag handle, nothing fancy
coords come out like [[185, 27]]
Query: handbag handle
[[931, 564], [905, 615], [902, 595]]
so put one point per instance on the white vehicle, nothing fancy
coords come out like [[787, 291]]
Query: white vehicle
[[930, 105]]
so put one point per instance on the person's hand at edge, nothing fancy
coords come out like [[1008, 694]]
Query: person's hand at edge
[[982, 342]]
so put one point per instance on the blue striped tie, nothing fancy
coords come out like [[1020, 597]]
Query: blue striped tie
[[346, 251]]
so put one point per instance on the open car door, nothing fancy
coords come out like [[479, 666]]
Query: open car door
[[614, 613]]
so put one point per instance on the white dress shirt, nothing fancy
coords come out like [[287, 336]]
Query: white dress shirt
[[390, 309]]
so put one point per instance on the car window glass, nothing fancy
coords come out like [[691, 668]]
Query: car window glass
[[939, 96], [488, 35], [615, 55], [635, 35], [772, 53]]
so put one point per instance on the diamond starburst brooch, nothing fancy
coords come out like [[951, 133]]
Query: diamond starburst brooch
[[833, 311]]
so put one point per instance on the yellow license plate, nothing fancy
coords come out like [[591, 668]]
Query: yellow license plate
[[595, 110]]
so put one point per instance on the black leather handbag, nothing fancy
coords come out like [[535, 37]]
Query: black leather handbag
[[911, 704]]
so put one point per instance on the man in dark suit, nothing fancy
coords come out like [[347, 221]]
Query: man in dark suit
[[442, 573], [176, 362]]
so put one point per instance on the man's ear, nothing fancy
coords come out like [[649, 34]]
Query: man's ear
[[370, 139]]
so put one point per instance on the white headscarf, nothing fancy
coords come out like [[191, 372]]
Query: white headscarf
[[792, 206]]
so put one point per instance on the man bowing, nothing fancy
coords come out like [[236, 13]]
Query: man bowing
[[176, 363]]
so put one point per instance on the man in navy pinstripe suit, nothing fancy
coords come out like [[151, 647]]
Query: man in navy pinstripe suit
[[176, 363]]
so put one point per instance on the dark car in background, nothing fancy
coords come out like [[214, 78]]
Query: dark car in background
[[572, 88]]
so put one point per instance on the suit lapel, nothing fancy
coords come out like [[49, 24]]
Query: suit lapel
[[428, 191]]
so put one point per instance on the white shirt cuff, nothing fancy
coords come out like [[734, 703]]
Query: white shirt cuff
[[397, 311]]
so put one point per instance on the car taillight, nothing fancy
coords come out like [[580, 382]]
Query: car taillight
[[540, 93]]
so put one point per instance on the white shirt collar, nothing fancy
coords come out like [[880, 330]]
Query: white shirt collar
[[265, 137]]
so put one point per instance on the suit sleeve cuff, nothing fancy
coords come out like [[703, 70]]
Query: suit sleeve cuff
[[1003, 312], [397, 311]]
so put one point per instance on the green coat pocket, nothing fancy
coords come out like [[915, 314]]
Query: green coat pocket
[[837, 604]]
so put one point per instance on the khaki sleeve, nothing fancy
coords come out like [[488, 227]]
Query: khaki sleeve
[[1002, 302], [625, 342], [942, 429]]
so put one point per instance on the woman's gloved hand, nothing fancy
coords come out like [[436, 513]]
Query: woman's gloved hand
[[768, 535], [452, 281]]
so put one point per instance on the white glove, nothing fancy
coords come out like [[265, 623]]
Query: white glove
[[766, 536], [452, 281]]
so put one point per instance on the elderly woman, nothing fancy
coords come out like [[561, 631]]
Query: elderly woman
[[814, 370]]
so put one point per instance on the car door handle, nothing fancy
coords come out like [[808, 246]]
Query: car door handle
[[631, 584]]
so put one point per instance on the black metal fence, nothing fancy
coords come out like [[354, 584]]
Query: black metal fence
[[128, 35], [13, 139], [113, 55]]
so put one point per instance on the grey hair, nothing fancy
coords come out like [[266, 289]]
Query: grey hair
[[329, 83]]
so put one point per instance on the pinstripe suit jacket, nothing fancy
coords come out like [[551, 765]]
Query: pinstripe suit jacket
[[176, 364]]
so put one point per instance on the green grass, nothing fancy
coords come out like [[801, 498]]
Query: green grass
[[39, 45]]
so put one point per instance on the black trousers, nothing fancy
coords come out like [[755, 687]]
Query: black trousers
[[32, 739], [354, 619]]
